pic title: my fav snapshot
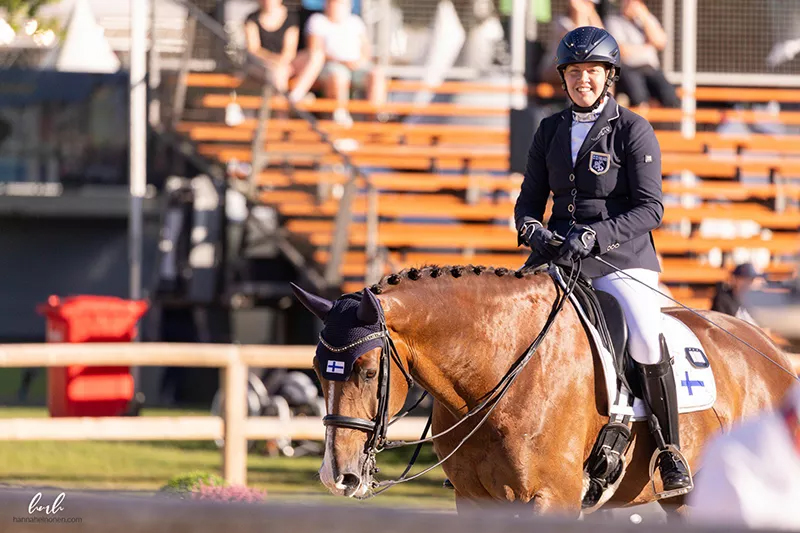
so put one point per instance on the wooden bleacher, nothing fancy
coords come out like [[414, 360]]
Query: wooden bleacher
[[446, 196]]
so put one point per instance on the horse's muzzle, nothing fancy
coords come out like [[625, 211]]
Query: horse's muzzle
[[348, 483]]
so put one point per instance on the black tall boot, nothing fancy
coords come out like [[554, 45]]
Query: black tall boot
[[662, 403]]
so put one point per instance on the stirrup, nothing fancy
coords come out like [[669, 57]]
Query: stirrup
[[675, 492]]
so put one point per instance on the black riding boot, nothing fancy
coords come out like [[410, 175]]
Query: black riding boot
[[662, 403]]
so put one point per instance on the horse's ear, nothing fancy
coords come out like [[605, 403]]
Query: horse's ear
[[316, 304], [369, 310]]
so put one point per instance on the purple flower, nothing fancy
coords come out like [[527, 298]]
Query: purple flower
[[234, 493]]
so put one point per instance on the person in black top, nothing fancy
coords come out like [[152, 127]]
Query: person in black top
[[728, 297], [272, 34]]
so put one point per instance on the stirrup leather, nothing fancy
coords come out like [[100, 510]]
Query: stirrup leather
[[652, 470]]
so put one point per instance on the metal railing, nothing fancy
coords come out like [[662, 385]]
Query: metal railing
[[252, 67]]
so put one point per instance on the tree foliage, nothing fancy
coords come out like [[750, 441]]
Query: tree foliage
[[18, 12]]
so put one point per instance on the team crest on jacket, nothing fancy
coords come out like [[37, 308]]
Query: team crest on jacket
[[599, 163]]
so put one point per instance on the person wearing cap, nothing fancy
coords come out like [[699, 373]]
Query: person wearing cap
[[602, 163], [751, 475], [728, 295]]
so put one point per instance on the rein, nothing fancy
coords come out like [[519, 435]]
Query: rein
[[376, 428]]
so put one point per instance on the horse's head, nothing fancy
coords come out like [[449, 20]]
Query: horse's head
[[363, 387]]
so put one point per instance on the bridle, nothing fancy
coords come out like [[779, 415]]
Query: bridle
[[376, 428]]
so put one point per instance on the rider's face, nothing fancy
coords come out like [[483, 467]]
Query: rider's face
[[585, 82]]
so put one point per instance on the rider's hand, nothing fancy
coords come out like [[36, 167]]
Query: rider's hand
[[537, 237], [579, 244]]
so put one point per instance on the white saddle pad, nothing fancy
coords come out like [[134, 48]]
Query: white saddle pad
[[694, 378]]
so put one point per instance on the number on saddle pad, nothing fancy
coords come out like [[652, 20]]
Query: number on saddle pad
[[692, 357]]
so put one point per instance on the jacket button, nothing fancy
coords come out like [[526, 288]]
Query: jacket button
[[570, 208], [572, 177]]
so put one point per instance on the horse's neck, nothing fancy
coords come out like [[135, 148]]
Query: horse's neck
[[460, 343]]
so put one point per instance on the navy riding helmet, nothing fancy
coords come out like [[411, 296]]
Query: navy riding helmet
[[588, 44]]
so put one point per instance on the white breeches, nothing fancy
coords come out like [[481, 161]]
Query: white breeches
[[641, 308]]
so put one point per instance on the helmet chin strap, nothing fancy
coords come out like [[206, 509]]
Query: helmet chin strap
[[610, 79]]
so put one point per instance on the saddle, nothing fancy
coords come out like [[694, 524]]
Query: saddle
[[602, 316], [605, 313], [605, 466]]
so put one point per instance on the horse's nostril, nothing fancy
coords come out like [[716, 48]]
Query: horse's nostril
[[351, 481]]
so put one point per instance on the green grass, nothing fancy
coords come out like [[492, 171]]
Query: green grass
[[10, 379], [147, 466]]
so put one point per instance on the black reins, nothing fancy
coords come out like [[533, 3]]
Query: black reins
[[376, 428]]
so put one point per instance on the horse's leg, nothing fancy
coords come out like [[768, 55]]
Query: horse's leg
[[676, 510]]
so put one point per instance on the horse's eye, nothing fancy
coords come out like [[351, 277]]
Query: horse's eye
[[371, 373]]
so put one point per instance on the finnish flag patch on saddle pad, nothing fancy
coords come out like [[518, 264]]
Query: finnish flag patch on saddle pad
[[694, 378]]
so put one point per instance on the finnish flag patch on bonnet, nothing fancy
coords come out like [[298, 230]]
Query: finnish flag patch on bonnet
[[335, 367], [352, 328]]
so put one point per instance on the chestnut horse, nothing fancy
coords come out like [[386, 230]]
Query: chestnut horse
[[458, 330]]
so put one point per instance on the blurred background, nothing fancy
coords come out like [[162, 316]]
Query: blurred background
[[244, 169]]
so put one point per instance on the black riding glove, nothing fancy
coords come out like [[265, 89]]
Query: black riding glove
[[537, 237], [579, 244]]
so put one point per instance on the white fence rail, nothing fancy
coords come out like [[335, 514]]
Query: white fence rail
[[235, 426]]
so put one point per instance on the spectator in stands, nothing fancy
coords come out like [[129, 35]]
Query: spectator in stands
[[784, 30], [271, 34], [641, 38], [311, 7], [580, 13], [340, 57], [751, 475], [728, 297]]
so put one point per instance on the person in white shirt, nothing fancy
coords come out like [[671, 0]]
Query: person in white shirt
[[751, 476], [641, 37], [340, 58]]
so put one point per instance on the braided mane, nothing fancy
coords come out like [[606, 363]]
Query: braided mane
[[457, 271]]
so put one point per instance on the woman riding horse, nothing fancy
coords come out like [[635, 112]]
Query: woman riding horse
[[603, 164], [517, 383]]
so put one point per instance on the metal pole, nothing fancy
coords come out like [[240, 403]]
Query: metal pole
[[518, 23], [154, 69], [138, 141], [384, 31], [689, 67], [137, 154], [179, 99], [668, 21], [341, 232], [374, 266], [257, 148]]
